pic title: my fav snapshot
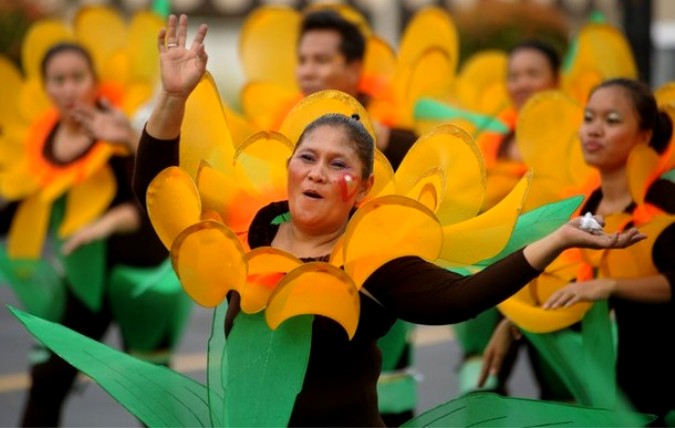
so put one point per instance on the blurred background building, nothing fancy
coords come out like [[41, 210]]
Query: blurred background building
[[649, 25]]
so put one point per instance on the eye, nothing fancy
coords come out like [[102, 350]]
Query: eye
[[307, 157], [613, 118], [588, 117], [338, 164]]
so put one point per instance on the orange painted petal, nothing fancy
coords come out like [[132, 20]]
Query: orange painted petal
[[39, 38], [318, 104], [315, 288], [267, 39], [260, 165], [88, 200], [266, 268], [173, 203], [209, 261], [28, 230], [204, 134], [386, 228], [450, 153], [484, 236]]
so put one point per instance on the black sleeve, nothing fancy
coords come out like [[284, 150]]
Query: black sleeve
[[421, 292], [152, 156], [7, 211]]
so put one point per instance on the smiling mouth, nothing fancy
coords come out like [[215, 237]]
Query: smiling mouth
[[312, 195]]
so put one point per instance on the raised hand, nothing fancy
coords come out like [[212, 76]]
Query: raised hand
[[181, 67]]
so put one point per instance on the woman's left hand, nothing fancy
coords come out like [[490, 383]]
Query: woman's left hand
[[587, 291]]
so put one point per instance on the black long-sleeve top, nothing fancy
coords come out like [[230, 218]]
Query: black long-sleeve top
[[340, 383]]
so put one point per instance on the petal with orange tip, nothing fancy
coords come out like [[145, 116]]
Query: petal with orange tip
[[28, 230], [389, 227], [379, 67], [260, 165], [173, 203], [315, 288], [266, 268], [209, 261], [205, 134], [267, 37], [450, 150], [222, 194], [318, 104], [88, 200], [484, 236]]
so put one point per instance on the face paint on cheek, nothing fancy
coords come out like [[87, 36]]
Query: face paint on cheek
[[348, 185]]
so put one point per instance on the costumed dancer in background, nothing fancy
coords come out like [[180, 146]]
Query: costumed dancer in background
[[79, 249]]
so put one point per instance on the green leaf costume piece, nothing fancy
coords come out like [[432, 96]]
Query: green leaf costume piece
[[154, 394], [429, 109], [483, 409]]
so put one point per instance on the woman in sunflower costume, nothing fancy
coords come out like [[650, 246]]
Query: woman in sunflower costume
[[298, 245], [79, 249], [625, 138]]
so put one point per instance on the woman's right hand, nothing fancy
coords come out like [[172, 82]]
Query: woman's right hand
[[181, 68]]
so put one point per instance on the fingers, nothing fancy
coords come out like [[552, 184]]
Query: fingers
[[198, 41], [171, 38], [181, 31]]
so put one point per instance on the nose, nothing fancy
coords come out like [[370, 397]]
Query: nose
[[317, 173]]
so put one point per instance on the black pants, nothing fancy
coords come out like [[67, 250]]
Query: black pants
[[52, 379]]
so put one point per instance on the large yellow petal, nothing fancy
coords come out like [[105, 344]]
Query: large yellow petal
[[11, 79], [88, 200], [103, 32], [28, 230], [266, 268], [484, 236], [33, 100], [386, 228], [204, 134], [267, 42], [449, 152], [209, 261], [240, 127], [315, 288], [429, 27], [19, 181], [39, 38], [384, 177], [142, 47], [173, 203], [547, 129], [267, 103], [665, 95], [318, 104], [379, 67], [641, 166], [480, 85]]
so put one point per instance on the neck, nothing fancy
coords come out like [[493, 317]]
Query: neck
[[305, 244], [615, 192]]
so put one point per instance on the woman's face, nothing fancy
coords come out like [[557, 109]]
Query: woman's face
[[324, 180], [610, 129], [69, 81], [529, 72]]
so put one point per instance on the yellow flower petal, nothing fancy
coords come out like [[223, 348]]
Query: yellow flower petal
[[266, 267], [204, 134], [484, 236], [429, 27], [315, 288], [260, 165], [27, 233], [641, 166], [142, 47], [209, 261], [41, 35], [88, 200], [266, 103], [480, 84], [103, 32], [173, 203], [386, 228], [447, 149]]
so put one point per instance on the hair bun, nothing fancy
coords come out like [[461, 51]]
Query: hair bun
[[355, 116]]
